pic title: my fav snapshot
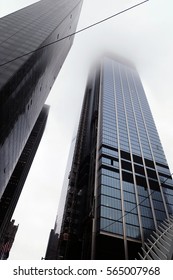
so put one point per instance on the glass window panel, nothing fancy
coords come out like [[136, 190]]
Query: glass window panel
[[158, 204], [146, 211], [146, 222], [110, 192], [130, 207], [133, 231], [110, 173], [144, 201], [160, 215], [129, 187], [110, 202], [110, 213], [132, 219], [129, 197], [111, 226]]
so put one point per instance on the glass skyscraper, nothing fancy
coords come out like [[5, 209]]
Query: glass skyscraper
[[120, 187], [30, 59], [17, 180], [34, 43]]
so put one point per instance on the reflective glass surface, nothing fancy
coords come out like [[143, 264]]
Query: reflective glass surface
[[132, 164], [26, 81]]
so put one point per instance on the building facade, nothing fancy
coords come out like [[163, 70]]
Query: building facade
[[7, 241], [28, 70], [120, 187], [17, 180]]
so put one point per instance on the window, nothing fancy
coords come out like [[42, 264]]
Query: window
[[133, 231], [113, 192], [158, 205], [132, 219], [125, 155], [149, 163], [112, 173], [141, 181], [146, 222], [129, 197], [110, 213], [109, 181], [130, 207], [111, 226], [146, 211], [139, 169], [137, 159], [160, 215], [127, 176]]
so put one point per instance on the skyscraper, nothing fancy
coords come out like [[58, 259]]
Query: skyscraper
[[7, 241], [15, 185], [120, 187], [28, 70]]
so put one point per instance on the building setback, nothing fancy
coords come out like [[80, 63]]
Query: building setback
[[28, 70], [15, 185], [120, 187]]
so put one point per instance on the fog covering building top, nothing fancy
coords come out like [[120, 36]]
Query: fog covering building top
[[25, 80], [120, 187]]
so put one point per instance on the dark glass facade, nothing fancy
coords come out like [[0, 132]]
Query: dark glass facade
[[27, 79], [120, 187], [15, 185], [51, 252]]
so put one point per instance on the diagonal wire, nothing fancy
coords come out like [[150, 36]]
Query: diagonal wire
[[74, 33]]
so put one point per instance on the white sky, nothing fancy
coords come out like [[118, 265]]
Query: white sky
[[143, 35]]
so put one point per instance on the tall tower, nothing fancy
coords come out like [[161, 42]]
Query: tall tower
[[120, 187], [28, 70], [17, 180]]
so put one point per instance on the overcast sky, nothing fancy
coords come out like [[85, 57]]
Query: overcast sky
[[145, 36]]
